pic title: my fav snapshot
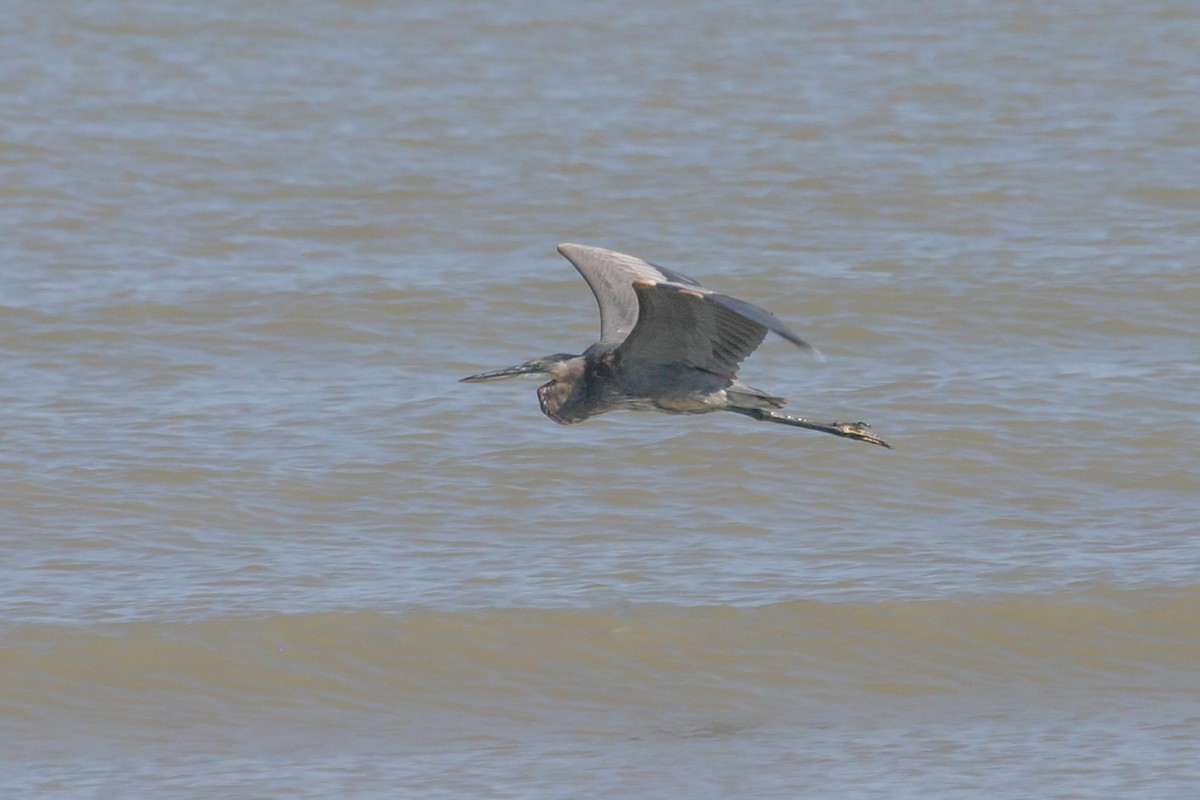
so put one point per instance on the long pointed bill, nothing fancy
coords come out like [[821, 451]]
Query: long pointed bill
[[528, 368]]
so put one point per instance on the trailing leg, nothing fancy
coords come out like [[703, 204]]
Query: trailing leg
[[859, 431]]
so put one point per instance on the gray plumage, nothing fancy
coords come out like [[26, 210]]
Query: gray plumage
[[666, 344]]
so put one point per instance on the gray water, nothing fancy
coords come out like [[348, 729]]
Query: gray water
[[258, 542]]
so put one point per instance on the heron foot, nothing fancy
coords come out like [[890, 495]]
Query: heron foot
[[859, 431]]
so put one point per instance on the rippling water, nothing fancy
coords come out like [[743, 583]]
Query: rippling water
[[258, 541]]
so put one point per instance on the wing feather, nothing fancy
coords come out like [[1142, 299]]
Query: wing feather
[[610, 275], [703, 329]]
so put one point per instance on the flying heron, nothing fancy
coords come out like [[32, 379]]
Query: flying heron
[[666, 344]]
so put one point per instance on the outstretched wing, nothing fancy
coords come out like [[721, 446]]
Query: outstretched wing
[[685, 323], [611, 276]]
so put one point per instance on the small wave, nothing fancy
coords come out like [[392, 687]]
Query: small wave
[[1116, 640]]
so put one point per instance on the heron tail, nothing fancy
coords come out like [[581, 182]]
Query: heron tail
[[740, 396]]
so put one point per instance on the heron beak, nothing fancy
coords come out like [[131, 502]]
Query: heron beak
[[528, 368]]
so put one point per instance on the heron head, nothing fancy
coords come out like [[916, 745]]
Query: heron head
[[557, 366]]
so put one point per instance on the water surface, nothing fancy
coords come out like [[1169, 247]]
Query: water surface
[[259, 541]]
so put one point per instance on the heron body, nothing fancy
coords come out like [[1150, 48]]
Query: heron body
[[666, 344]]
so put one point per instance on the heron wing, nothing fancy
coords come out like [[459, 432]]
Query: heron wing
[[610, 276], [682, 323]]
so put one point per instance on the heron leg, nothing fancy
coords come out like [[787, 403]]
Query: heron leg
[[859, 431]]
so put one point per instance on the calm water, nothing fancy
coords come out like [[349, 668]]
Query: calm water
[[258, 542]]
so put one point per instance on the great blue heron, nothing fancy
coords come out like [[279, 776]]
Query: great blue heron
[[666, 344]]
